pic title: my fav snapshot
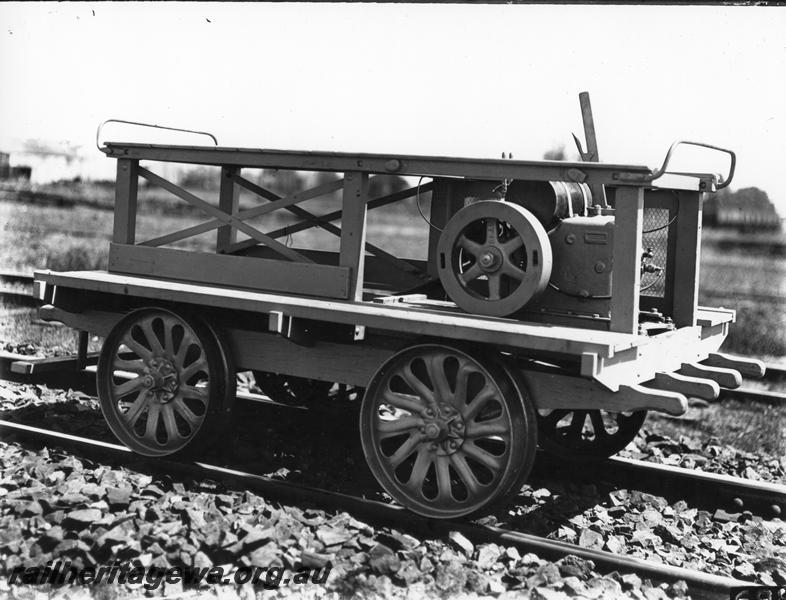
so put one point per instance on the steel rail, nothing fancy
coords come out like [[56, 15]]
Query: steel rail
[[760, 497], [700, 585]]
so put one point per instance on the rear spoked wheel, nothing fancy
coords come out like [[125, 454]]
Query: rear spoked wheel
[[164, 382], [444, 431], [587, 434]]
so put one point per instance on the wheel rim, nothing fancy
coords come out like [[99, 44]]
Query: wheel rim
[[438, 432], [494, 257], [589, 433], [160, 379]]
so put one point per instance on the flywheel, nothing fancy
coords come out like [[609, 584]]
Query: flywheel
[[493, 258]]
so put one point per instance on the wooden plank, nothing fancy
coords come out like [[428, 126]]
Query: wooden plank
[[353, 364], [228, 197], [688, 249], [221, 216], [728, 378], [333, 216], [749, 367], [496, 331], [376, 271], [689, 386], [552, 390], [427, 166], [36, 366], [124, 231], [625, 281], [234, 271], [353, 230]]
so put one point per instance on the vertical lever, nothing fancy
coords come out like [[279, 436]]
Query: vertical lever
[[591, 155]]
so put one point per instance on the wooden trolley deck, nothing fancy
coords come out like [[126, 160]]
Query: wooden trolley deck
[[610, 358]]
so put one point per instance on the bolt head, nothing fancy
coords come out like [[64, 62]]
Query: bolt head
[[459, 425]]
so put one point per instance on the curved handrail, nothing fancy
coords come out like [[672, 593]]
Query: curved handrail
[[722, 183], [101, 126]]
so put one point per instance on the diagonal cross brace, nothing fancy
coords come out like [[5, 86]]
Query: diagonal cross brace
[[325, 224], [257, 211], [223, 218]]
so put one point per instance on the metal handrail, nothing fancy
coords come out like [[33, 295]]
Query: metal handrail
[[722, 182], [100, 127]]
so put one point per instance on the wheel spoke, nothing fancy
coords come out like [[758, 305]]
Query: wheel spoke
[[127, 387], [187, 341], [419, 470], [390, 428], [130, 366], [467, 244], [473, 409], [491, 230], [512, 271], [151, 337], [577, 424], [406, 402], [152, 421], [443, 479], [498, 426], [185, 412], [485, 458], [193, 392], [169, 342], [405, 450], [136, 347], [495, 279], [436, 372], [169, 423], [194, 368], [459, 462], [511, 246], [596, 418], [471, 274], [460, 395], [416, 384], [137, 408]]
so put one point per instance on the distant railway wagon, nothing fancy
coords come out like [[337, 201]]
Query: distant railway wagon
[[556, 304]]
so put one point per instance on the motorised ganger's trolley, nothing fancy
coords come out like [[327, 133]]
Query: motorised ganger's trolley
[[557, 304]]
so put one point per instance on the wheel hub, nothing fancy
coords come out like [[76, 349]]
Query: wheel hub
[[444, 429], [490, 259], [162, 379]]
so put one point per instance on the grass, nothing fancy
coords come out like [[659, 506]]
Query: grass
[[753, 428]]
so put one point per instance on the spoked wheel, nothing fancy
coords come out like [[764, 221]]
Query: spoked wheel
[[493, 258], [444, 431], [289, 389], [590, 434], [163, 382]]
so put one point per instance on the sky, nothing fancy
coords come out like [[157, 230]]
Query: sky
[[449, 80]]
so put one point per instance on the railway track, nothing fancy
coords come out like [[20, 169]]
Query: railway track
[[700, 585], [709, 490]]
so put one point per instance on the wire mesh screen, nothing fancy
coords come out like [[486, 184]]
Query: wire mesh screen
[[655, 234]]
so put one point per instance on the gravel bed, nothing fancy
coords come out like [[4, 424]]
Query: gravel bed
[[706, 455], [161, 517]]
